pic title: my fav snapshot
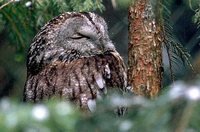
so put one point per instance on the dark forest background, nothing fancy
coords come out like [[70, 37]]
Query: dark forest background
[[13, 55], [177, 107]]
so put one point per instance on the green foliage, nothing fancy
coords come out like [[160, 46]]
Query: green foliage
[[197, 17], [176, 109], [175, 50], [26, 117], [122, 3], [21, 20], [196, 7]]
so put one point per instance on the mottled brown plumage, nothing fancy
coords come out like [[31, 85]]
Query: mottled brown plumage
[[73, 58]]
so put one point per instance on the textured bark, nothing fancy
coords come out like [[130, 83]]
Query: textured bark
[[145, 51]]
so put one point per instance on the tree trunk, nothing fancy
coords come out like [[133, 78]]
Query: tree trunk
[[145, 50]]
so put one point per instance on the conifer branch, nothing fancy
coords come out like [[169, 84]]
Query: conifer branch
[[7, 3]]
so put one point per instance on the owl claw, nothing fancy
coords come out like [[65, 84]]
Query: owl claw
[[100, 81], [107, 71], [91, 105]]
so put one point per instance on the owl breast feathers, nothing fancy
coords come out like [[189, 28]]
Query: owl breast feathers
[[72, 58]]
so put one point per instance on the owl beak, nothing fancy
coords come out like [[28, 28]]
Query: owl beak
[[108, 45]]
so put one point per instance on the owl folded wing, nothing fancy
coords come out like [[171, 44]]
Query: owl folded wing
[[81, 80]]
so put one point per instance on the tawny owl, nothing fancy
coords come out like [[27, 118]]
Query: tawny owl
[[73, 58]]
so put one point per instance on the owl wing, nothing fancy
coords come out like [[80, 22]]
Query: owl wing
[[80, 80]]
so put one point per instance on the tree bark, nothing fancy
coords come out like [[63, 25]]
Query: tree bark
[[145, 50]]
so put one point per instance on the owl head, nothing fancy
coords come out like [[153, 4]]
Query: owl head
[[84, 32]]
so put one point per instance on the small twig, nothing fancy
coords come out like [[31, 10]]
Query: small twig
[[114, 4], [190, 5], [6, 4], [187, 113]]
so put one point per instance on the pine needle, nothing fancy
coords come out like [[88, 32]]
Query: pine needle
[[175, 50]]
